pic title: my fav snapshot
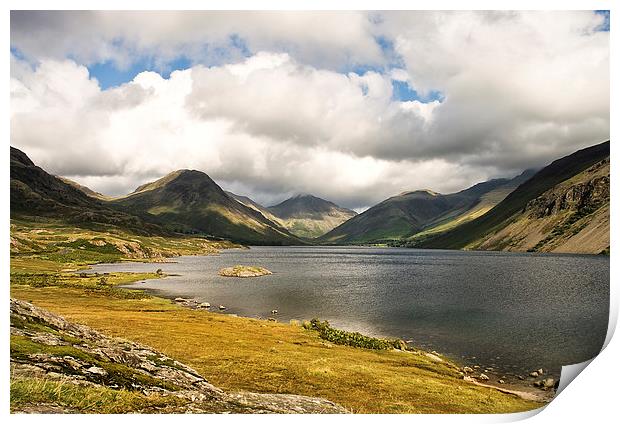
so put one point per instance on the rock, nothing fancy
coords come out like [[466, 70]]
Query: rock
[[520, 377], [96, 370], [548, 382], [180, 299], [500, 381], [204, 305], [483, 377], [538, 384], [222, 307], [275, 311], [540, 371], [243, 271], [134, 359], [476, 366], [467, 370], [534, 374]]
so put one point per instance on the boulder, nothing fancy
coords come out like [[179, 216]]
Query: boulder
[[467, 370], [534, 374], [483, 377], [222, 307], [204, 305], [548, 382]]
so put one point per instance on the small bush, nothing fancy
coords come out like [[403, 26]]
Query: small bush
[[353, 339]]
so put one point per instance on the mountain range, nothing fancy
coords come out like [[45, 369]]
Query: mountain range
[[563, 207]]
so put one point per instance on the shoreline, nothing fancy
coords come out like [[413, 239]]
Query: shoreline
[[512, 385]]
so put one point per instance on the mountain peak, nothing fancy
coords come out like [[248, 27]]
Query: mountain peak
[[426, 192]]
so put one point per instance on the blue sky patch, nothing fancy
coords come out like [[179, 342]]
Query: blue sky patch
[[109, 75], [605, 25], [402, 91]]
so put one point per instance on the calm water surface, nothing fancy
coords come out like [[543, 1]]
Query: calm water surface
[[512, 311]]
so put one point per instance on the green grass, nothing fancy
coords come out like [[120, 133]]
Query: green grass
[[27, 391]]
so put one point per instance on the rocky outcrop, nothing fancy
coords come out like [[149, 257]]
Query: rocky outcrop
[[581, 197], [243, 271], [45, 345], [571, 217]]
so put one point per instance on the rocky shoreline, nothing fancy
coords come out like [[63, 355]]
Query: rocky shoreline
[[537, 386]]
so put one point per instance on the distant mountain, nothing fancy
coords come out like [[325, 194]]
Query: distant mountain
[[35, 194], [563, 208], [244, 200], [191, 202], [309, 216], [87, 191], [403, 216]]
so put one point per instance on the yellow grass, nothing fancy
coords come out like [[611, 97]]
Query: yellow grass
[[248, 354]]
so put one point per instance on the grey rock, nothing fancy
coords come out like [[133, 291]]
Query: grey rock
[[483, 377], [107, 353]]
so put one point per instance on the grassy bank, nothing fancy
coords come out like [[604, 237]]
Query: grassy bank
[[236, 353]]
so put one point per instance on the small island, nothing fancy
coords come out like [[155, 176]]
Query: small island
[[243, 271]]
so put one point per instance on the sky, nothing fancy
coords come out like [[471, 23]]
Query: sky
[[353, 107]]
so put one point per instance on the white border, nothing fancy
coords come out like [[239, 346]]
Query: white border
[[592, 397]]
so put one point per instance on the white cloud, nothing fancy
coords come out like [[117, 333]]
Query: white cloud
[[519, 90]]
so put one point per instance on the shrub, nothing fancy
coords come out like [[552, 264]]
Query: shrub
[[353, 339]]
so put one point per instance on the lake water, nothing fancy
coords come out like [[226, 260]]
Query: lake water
[[515, 312]]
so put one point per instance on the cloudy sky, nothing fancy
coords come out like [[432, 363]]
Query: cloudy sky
[[350, 106]]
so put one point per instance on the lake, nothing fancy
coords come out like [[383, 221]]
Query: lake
[[515, 312]]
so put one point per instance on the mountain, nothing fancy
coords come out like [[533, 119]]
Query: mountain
[[244, 200], [87, 191], [308, 216], [563, 208], [191, 202], [403, 216], [35, 194]]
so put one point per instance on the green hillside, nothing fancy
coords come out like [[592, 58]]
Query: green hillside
[[501, 215], [191, 202], [310, 216], [409, 213], [39, 196]]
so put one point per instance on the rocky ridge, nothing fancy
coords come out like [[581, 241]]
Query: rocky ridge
[[45, 345]]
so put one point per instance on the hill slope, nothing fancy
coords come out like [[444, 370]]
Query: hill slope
[[571, 217], [87, 191], [35, 194], [409, 213], [309, 216], [190, 201], [474, 233], [244, 200]]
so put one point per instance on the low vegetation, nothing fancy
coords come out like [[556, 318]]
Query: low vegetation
[[341, 337], [39, 392], [363, 374]]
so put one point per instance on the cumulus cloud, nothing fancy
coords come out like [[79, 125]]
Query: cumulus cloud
[[331, 39], [282, 117]]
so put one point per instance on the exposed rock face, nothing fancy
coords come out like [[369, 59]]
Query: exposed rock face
[[48, 346], [571, 217], [584, 196]]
